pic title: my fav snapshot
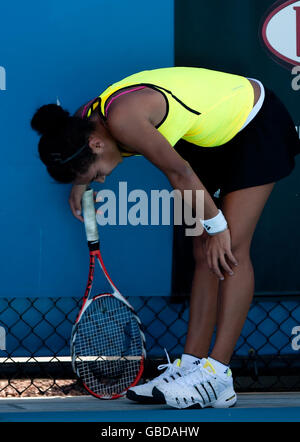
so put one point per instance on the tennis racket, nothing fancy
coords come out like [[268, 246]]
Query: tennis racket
[[107, 342]]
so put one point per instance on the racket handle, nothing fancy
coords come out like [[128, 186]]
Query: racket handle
[[89, 216]]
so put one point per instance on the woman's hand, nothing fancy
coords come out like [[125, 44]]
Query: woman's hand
[[75, 199], [217, 246]]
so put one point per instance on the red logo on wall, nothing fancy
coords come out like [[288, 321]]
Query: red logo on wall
[[280, 32]]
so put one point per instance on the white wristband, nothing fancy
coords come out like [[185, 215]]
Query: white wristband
[[215, 225]]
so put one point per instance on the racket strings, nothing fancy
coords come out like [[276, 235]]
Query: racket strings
[[107, 347]]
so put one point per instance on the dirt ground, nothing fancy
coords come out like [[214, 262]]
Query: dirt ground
[[40, 387]]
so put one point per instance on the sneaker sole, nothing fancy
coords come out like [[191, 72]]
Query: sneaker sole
[[228, 403], [158, 395], [160, 399]]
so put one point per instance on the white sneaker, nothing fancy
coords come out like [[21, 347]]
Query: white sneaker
[[143, 393], [199, 388]]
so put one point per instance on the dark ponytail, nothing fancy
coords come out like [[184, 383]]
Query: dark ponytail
[[62, 136]]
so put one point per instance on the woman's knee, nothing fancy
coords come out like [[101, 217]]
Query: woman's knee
[[241, 249]]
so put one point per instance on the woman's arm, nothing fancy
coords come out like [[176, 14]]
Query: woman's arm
[[139, 133], [134, 129]]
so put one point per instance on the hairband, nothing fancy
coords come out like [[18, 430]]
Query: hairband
[[57, 155]]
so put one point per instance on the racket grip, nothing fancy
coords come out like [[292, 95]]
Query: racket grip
[[89, 216]]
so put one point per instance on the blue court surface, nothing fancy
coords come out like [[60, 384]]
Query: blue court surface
[[251, 407]]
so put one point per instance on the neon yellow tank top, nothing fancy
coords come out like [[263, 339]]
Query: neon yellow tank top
[[204, 107]]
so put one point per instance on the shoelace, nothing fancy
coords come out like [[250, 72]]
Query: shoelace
[[198, 375], [171, 368]]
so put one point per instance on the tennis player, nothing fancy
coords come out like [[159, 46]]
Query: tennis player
[[205, 130]]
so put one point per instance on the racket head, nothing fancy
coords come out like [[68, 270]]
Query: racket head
[[108, 347]]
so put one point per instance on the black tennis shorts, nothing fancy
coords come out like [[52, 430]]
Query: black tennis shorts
[[263, 152]]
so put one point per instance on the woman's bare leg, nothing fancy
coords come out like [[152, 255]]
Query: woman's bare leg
[[242, 210], [203, 303]]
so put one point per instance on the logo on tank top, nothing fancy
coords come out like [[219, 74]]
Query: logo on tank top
[[280, 32]]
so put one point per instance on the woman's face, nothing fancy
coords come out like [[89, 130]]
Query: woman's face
[[108, 155]]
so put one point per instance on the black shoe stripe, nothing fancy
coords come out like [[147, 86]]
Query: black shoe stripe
[[212, 389], [197, 389], [202, 385]]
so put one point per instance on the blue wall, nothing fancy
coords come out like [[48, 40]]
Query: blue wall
[[74, 50]]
